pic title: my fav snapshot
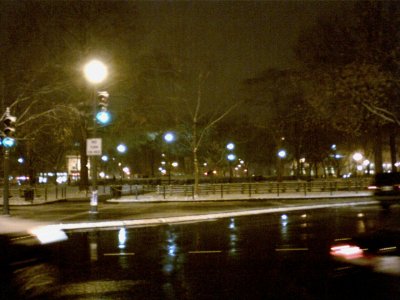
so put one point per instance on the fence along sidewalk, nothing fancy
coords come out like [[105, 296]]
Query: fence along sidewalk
[[49, 193]]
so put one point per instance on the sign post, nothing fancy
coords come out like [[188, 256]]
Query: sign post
[[93, 149]]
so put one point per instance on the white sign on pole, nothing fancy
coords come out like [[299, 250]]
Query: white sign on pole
[[93, 147]]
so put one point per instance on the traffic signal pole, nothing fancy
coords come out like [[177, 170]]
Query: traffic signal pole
[[7, 142], [6, 210]]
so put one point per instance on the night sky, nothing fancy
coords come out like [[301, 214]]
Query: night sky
[[234, 39]]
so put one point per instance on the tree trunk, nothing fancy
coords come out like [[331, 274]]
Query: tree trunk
[[393, 150], [378, 151], [195, 159]]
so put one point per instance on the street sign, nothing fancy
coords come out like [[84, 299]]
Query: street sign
[[93, 147]]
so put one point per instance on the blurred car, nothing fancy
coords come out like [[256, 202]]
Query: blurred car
[[386, 188], [26, 271], [378, 251]]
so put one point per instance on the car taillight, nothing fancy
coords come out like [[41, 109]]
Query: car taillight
[[347, 251]]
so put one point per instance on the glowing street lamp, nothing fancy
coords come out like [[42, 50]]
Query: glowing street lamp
[[357, 156], [230, 146], [282, 153], [169, 137], [231, 157], [95, 71], [121, 148]]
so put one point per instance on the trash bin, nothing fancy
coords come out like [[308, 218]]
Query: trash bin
[[116, 191], [28, 194]]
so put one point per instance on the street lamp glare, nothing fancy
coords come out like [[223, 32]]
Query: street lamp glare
[[231, 157], [230, 146], [121, 148], [95, 71], [282, 153], [169, 137], [357, 156]]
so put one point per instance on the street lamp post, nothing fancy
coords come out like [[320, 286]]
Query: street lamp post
[[281, 156], [95, 72], [231, 157], [121, 148], [169, 138]]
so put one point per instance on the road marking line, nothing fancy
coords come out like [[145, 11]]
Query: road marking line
[[119, 254], [205, 251], [291, 249]]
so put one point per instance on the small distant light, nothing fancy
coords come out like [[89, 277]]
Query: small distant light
[[357, 156], [282, 153], [121, 148], [169, 137], [21, 160], [231, 157], [284, 217], [230, 146]]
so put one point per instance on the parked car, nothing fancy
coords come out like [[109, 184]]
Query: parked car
[[386, 188]]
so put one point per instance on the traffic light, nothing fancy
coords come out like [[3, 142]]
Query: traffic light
[[103, 116], [8, 140]]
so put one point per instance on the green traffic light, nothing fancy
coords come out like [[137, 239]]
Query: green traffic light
[[8, 142], [103, 117]]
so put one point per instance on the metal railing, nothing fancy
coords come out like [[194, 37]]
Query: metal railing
[[49, 193]]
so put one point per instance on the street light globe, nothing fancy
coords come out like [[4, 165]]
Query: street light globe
[[357, 156], [95, 71], [121, 148], [169, 137], [230, 146], [231, 157], [282, 153]]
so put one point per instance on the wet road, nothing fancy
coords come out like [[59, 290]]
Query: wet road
[[273, 256]]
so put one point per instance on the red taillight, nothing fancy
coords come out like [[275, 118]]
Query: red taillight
[[347, 251]]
